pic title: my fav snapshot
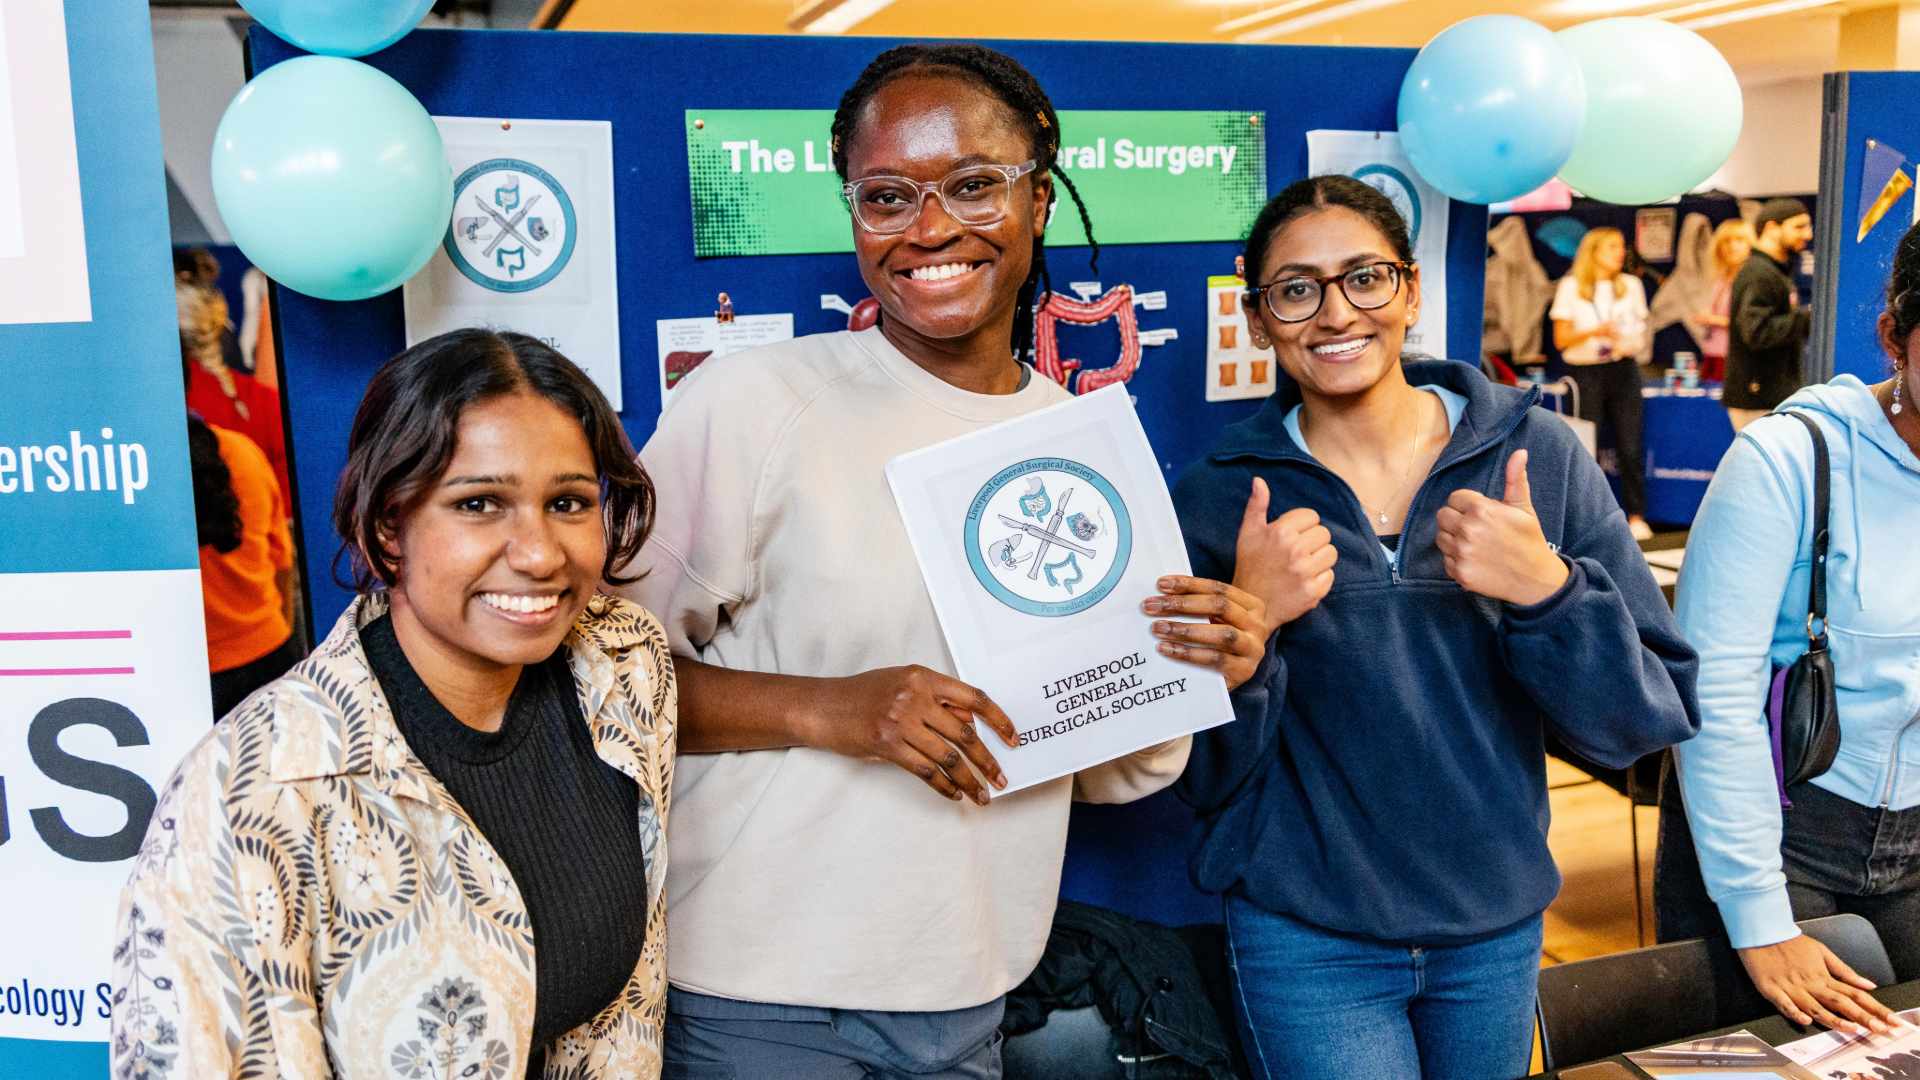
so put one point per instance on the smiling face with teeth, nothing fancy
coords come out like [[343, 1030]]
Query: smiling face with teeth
[[1342, 351], [946, 288], [502, 552]]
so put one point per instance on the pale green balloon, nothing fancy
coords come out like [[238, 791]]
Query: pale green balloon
[[1663, 110], [332, 178]]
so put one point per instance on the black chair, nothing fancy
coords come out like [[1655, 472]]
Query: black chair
[[1591, 1009]]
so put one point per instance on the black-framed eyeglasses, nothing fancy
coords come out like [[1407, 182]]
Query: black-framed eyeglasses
[[1297, 297], [974, 195]]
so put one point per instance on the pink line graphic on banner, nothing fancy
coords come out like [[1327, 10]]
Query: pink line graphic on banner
[[64, 635], [66, 671]]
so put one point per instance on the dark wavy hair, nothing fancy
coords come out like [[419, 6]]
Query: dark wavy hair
[[1318, 193], [1903, 289], [404, 435], [216, 509], [1003, 77]]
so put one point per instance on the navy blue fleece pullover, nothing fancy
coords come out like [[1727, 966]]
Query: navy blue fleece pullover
[[1385, 776]]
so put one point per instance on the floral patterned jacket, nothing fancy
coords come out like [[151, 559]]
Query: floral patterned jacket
[[310, 902]]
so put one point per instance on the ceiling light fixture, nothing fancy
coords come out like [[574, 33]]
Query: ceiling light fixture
[[1685, 10], [1764, 11], [1321, 17], [832, 16], [1265, 14], [1595, 8]]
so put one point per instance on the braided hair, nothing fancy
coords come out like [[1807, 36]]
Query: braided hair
[[1003, 77], [1903, 288]]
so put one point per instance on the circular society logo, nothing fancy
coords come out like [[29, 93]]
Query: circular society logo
[[1048, 537], [1398, 188], [513, 225]]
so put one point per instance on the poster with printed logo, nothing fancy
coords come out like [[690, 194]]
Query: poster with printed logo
[[531, 244], [1376, 159], [1038, 539], [103, 660]]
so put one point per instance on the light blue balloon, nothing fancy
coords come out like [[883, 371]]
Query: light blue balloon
[[331, 178], [339, 27], [1663, 110], [1491, 108]]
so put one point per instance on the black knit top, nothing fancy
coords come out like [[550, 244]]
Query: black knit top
[[565, 823]]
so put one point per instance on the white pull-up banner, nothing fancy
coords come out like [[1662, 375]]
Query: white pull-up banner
[[103, 665]]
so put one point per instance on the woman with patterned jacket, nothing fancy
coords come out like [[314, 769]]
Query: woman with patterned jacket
[[419, 853]]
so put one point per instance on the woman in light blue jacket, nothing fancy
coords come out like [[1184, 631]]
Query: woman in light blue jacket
[[1851, 840]]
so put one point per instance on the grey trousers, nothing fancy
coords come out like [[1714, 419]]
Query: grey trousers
[[713, 1038]]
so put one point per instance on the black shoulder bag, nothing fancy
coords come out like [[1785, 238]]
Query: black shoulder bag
[[1801, 714]]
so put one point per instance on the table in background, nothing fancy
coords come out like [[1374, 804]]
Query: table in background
[[1776, 1030], [1685, 433]]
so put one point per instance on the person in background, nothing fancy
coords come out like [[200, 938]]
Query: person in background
[[1599, 318], [246, 564], [1451, 580], [1851, 840], [198, 266], [1768, 328], [435, 847], [256, 328], [222, 396], [1732, 244]]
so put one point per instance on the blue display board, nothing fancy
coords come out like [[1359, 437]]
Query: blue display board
[[1851, 276], [643, 83]]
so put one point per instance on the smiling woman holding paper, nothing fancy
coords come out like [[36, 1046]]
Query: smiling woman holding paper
[[1448, 578], [829, 913]]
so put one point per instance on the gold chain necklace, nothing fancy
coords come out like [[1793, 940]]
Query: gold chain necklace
[[1406, 472]]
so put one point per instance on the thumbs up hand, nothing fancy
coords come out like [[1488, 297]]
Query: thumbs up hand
[[1494, 547], [1283, 568]]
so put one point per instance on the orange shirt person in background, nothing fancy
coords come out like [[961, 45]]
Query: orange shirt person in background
[[246, 563]]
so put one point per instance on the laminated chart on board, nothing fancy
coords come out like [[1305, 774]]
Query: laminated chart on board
[[1236, 369], [1038, 538]]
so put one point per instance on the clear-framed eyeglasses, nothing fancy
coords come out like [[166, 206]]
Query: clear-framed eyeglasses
[[974, 195], [1297, 297]]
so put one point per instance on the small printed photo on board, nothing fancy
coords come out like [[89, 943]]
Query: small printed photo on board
[[1235, 368]]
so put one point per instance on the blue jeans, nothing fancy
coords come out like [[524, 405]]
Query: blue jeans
[[1315, 1003]]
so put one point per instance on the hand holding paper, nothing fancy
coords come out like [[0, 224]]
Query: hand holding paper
[[1036, 538], [1282, 570], [921, 721], [1232, 641]]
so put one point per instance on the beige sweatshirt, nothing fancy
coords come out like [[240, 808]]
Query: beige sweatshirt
[[799, 876]]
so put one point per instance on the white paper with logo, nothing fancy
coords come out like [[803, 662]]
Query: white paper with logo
[[1038, 539], [530, 246]]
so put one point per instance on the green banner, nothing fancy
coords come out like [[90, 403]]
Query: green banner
[[763, 180]]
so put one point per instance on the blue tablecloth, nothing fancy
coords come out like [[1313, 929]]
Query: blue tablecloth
[[1685, 433]]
